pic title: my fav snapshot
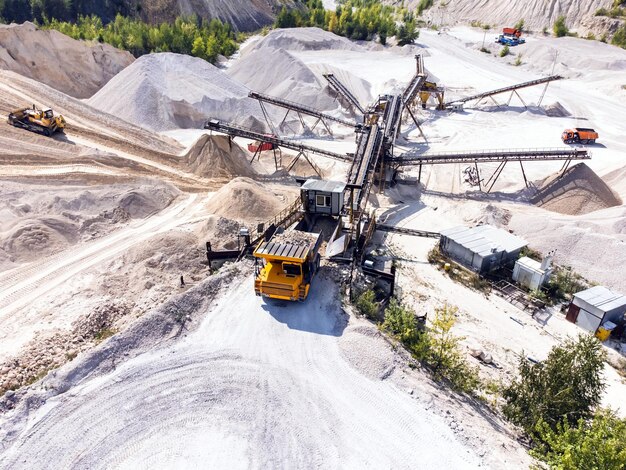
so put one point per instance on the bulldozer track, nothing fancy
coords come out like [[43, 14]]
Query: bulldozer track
[[21, 286]]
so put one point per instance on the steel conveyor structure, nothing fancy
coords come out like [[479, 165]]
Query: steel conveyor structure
[[341, 89], [483, 156], [502, 157], [512, 88], [300, 108], [234, 130], [407, 231]]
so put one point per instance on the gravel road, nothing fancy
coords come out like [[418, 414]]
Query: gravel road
[[256, 385]]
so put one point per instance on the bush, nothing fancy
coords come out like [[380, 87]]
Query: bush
[[619, 38], [505, 51], [402, 324], [567, 385], [520, 25], [518, 60], [599, 443], [441, 352], [366, 304], [560, 28]]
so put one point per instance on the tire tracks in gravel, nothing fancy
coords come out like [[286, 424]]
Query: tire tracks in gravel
[[257, 385], [21, 286]]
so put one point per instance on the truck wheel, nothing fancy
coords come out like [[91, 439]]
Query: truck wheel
[[592, 141], [47, 132], [584, 141]]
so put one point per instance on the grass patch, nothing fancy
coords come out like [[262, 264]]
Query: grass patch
[[104, 334]]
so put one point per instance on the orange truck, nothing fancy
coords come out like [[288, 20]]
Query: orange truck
[[511, 32], [582, 135]]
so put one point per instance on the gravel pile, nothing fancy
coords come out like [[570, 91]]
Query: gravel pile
[[247, 200], [214, 156], [579, 191], [74, 67], [167, 91]]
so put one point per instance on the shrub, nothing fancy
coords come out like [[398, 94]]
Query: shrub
[[402, 324], [366, 304], [560, 28], [599, 443], [567, 385], [520, 25], [518, 60], [441, 352], [619, 38], [505, 51]]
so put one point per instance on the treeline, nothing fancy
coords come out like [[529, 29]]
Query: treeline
[[18, 11], [192, 36], [354, 19]]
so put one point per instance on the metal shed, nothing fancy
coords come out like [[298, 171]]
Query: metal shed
[[483, 248], [322, 197], [530, 273], [593, 307]]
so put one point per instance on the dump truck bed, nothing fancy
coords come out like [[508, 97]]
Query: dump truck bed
[[292, 245]]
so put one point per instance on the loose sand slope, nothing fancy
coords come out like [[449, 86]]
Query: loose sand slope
[[536, 13], [166, 91], [256, 386], [578, 191], [74, 67]]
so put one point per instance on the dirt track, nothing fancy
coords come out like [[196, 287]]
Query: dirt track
[[255, 386]]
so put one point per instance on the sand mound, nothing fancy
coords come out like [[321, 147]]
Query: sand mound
[[594, 245], [247, 200], [305, 39], [166, 91], [556, 109], [579, 191], [276, 72], [536, 13], [73, 67], [216, 156], [574, 56], [33, 238]]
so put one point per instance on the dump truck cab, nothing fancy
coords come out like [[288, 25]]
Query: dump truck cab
[[581, 135], [289, 261]]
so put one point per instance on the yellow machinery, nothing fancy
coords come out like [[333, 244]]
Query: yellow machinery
[[431, 88], [290, 260], [42, 121]]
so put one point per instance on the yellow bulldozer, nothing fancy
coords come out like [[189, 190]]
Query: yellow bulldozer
[[42, 121]]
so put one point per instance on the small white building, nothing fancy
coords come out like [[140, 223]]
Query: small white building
[[593, 307], [483, 248], [532, 274]]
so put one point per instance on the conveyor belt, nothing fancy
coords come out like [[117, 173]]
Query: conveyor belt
[[481, 156], [299, 108], [239, 131], [343, 91], [407, 231], [505, 89]]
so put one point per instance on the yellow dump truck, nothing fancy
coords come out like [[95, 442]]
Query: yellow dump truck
[[289, 260]]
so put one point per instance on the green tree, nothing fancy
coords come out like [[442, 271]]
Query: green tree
[[401, 323], [567, 385], [599, 443], [407, 33], [560, 28], [198, 48]]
